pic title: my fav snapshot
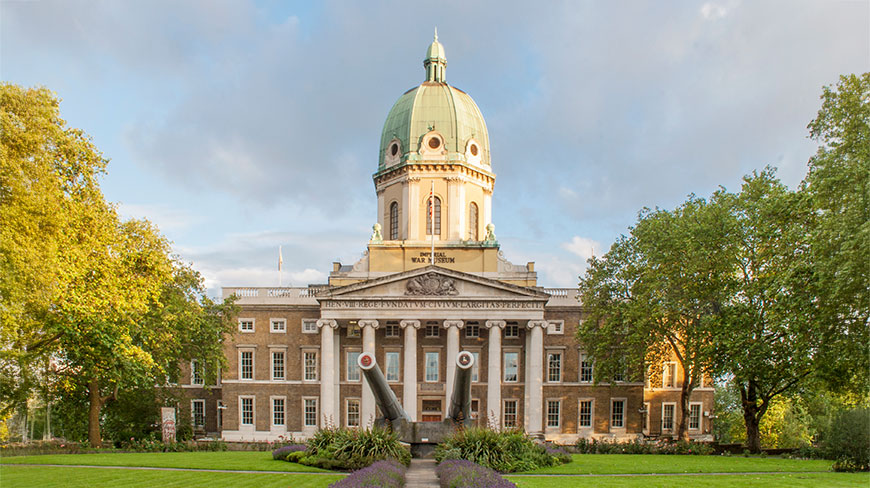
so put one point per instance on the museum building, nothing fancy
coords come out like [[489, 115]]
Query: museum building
[[432, 282]]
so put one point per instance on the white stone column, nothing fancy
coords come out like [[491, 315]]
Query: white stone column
[[414, 209], [493, 375], [487, 207], [382, 219], [454, 208], [452, 327], [327, 372], [535, 380], [409, 375], [367, 405]]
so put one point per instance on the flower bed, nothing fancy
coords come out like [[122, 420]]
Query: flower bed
[[457, 473], [383, 474], [505, 451], [282, 452], [594, 446]]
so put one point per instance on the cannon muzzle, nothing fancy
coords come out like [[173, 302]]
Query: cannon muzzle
[[384, 396], [460, 404]]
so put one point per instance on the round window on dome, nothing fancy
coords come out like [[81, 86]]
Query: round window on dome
[[474, 150], [434, 143], [394, 149]]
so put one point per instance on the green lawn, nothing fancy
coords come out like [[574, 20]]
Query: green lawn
[[244, 460], [808, 480], [27, 476], [649, 463]]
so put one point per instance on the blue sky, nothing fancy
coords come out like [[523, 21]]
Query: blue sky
[[240, 126]]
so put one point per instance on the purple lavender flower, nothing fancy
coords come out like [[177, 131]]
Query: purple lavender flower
[[457, 473], [383, 474]]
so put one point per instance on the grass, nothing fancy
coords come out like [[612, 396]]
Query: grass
[[21, 476], [808, 480], [232, 460], [663, 464]]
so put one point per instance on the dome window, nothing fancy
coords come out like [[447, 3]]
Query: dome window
[[474, 150], [434, 143], [394, 149]]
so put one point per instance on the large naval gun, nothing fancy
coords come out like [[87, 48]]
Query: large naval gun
[[422, 436]]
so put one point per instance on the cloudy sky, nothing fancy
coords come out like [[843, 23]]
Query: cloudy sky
[[240, 126]]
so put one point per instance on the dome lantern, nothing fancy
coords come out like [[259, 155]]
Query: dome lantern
[[435, 62]]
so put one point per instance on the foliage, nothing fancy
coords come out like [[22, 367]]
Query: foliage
[[506, 451], [282, 452], [838, 187], [151, 444], [341, 448], [595, 446], [382, 474], [88, 302], [458, 473], [654, 296], [849, 440]]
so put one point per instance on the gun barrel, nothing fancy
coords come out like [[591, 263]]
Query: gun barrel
[[384, 396], [460, 404]]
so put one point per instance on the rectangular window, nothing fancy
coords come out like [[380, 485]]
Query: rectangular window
[[510, 413], [475, 409], [246, 411], [585, 413], [309, 359], [197, 376], [585, 369], [475, 369], [432, 406], [511, 367], [197, 413], [694, 416], [277, 411], [277, 365], [353, 366], [472, 330], [433, 330], [556, 327], [392, 330], [669, 375], [617, 414], [310, 414], [353, 412], [432, 366], [246, 325], [554, 367], [554, 408], [246, 365], [645, 417], [392, 366], [279, 325], [353, 330], [668, 416], [309, 326], [512, 330]]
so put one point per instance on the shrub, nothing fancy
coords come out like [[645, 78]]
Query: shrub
[[282, 452], [353, 449], [849, 440], [150, 444], [594, 446], [382, 474], [505, 451], [458, 473]]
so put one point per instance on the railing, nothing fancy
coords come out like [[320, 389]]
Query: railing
[[257, 294], [561, 292]]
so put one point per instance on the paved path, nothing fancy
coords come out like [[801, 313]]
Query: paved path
[[421, 474]]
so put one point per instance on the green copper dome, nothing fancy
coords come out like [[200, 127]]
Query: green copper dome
[[434, 121]]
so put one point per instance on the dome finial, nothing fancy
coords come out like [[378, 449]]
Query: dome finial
[[435, 62]]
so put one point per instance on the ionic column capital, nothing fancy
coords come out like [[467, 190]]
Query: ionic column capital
[[368, 323], [410, 323], [453, 323], [537, 323], [495, 323], [327, 323]]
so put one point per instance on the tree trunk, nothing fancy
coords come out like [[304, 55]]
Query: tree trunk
[[95, 404], [685, 394], [751, 416]]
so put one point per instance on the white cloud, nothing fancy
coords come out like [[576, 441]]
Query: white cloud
[[165, 217], [712, 11], [583, 247]]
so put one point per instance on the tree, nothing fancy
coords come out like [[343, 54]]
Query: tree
[[654, 294], [100, 298], [838, 187]]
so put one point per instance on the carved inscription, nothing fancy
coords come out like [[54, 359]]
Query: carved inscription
[[433, 304]]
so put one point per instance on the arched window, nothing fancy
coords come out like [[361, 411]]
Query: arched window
[[437, 216], [472, 221], [394, 221]]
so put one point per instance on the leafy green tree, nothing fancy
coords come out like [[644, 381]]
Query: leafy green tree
[[654, 295], [100, 299], [838, 186]]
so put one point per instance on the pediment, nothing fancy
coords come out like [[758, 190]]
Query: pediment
[[434, 282]]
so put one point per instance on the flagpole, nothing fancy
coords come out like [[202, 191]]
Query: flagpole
[[432, 222]]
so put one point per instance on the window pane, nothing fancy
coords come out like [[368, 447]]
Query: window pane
[[432, 366], [511, 366], [694, 416], [353, 413], [554, 367], [394, 221], [196, 373], [586, 413], [247, 365], [585, 369], [472, 221], [667, 417], [310, 412], [278, 365], [247, 411], [510, 413], [278, 411], [198, 413], [310, 359], [553, 409], [392, 359], [437, 217], [475, 370], [353, 366], [618, 413]]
